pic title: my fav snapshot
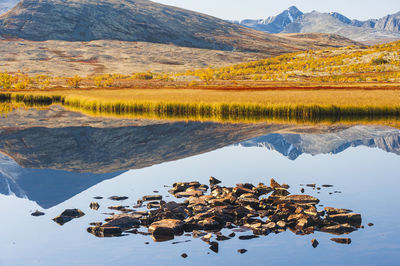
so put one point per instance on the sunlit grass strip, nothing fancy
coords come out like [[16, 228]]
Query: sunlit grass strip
[[216, 111], [221, 111]]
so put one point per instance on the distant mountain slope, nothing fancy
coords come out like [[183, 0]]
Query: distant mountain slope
[[6, 5], [293, 145], [139, 20], [293, 20]]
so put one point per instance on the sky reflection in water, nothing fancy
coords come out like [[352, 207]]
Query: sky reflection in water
[[367, 177]]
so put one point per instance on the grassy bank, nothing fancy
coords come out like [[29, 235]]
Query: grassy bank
[[315, 106]]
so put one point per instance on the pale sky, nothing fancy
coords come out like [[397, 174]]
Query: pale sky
[[240, 9]]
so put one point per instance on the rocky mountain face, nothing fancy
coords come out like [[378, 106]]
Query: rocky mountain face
[[275, 24], [389, 23], [293, 20], [136, 20], [293, 145], [6, 5]]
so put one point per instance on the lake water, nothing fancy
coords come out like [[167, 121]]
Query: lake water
[[51, 162]]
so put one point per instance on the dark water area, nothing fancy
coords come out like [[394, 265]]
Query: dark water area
[[52, 160]]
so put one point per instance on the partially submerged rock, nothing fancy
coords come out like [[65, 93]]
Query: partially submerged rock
[[105, 231], [342, 240], [118, 198], [242, 208], [214, 181], [123, 221], [314, 243], [166, 228], [242, 250], [349, 218], [68, 215], [94, 206], [37, 213], [152, 197]]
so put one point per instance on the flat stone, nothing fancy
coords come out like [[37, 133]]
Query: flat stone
[[342, 240], [338, 229], [299, 199], [118, 198], [123, 221], [242, 250], [152, 197], [37, 213], [330, 210], [247, 237], [101, 231], [166, 227], [350, 218], [187, 194], [117, 207]]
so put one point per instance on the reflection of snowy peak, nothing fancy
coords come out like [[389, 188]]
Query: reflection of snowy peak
[[293, 145], [9, 172]]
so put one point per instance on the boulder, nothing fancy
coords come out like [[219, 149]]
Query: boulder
[[349, 218], [124, 221], [68, 215], [214, 181], [314, 243], [338, 229], [167, 227]]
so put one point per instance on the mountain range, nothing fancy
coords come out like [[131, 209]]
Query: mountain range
[[293, 20], [294, 145]]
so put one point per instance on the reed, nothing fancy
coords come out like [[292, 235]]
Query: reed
[[216, 111]]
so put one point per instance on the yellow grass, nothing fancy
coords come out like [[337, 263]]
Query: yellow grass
[[360, 98]]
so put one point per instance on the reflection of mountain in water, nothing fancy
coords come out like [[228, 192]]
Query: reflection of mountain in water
[[57, 154], [293, 145], [47, 187]]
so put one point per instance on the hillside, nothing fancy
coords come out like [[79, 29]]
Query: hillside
[[140, 20], [362, 64], [293, 20]]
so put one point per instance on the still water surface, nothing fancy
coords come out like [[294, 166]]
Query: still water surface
[[360, 162]]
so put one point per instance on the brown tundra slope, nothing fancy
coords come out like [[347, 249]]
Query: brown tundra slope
[[88, 37], [139, 20]]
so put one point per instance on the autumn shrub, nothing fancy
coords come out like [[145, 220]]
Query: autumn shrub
[[74, 82], [143, 76], [5, 81]]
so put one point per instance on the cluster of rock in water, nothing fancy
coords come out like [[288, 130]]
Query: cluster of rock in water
[[261, 209]]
